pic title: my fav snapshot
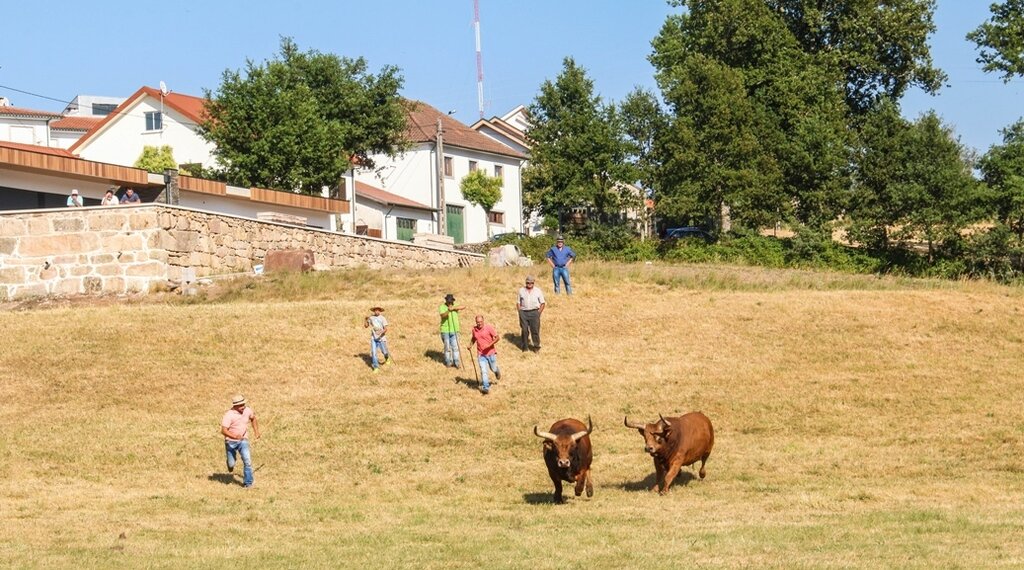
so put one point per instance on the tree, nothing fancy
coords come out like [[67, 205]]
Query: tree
[[1001, 39], [914, 182], [297, 122], [156, 159], [1002, 169], [483, 190], [764, 122], [578, 156], [880, 49]]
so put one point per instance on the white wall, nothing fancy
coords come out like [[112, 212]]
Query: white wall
[[51, 184], [23, 130], [121, 140], [64, 139], [411, 175], [249, 209]]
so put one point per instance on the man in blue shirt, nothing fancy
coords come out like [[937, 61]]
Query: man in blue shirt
[[561, 256]]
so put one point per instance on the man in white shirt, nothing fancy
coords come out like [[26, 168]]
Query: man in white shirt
[[530, 305]]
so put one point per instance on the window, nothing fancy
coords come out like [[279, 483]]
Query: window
[[406, 228], [472, 166], [496, 218], [448, 170], [154, 121], [499, 171], [103, 109]]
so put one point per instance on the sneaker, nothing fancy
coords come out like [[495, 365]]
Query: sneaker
[[231, 469], [497, 374], [485, 391], [387, 361], [376, 370]]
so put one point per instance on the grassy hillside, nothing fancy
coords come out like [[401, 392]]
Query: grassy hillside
[[860, 422]]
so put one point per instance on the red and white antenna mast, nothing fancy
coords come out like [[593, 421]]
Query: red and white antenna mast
[[479, 59]]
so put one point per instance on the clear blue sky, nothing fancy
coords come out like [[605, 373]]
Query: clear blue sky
[[112, 47]]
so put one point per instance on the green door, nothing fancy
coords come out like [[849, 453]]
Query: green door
[[454, 214], [406, 228]]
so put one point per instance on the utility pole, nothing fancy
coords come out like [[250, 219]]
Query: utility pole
[[442, 225]]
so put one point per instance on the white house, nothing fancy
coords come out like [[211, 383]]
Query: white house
[[148, 118], [413, 175], [509, 129], [25, 126], [41, 177]]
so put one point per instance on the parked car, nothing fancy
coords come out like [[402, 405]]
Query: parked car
[[689, 232], [508, 236]]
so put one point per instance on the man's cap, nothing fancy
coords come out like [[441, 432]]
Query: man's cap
[[377, 308], [74, 190], [449, 298], [529, 279], [237, 400], [560, 238]]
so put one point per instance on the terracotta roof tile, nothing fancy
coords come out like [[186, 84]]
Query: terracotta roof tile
[[23, 112], [387, 198], [37, 148], [421, 126], [75, 123]]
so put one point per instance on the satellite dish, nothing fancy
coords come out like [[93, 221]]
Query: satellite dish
[[163, 89]]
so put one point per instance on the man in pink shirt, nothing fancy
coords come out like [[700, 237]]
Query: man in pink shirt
[[235, 428], [485, 337]]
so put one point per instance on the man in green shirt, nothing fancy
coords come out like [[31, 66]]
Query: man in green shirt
[[450, 330]]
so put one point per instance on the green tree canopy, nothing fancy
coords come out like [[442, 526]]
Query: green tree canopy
[[1001, 39], [880, 49], [296, 121], [757, 123], [914, 182], [1003, 171], [578, 156], [156, 159], [480, 189]]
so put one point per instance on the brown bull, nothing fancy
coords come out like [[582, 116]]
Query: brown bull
[[568, 454], [674, 442]]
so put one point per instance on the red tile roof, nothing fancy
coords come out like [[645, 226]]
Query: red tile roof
[[421, 126], [189, 106], [387, 198], [23, 112], [37, 148], [75, 123]]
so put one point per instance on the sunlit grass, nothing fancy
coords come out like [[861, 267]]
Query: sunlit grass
[[860, 422]]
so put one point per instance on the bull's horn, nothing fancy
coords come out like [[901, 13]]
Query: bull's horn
[[625, 420], [663, 420], [544, 434], [576, 436]]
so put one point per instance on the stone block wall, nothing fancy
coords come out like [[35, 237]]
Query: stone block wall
[[130, 249]]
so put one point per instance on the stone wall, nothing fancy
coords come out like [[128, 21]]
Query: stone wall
[[130, 249]]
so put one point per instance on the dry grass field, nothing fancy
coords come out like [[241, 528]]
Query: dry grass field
[[860, 422]]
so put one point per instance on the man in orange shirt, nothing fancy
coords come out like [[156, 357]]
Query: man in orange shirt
[[235, 429]]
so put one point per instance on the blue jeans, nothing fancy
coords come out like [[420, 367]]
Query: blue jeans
[[376, 344], [485, 363], [233, 448], [451, 348], [563, 273]]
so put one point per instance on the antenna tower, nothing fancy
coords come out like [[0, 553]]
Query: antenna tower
[[479, 59]]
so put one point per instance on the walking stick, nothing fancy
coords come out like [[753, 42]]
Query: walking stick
[[476, 373], [457, 351]]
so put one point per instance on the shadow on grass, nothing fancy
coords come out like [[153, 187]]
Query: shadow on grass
[[224, 478], [435, 355], [471, 383], [514, 339], [683, 479], [366, 358], [538, 499]]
